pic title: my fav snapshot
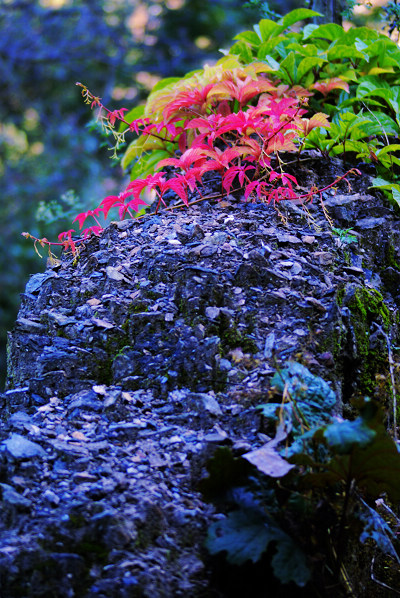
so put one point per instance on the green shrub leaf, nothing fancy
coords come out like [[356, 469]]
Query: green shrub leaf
[[313, 396], [374, 467], [167, 82], [250, 37], [307, 64], [289, 563], [342, 436], [329, 31], [266, 28], [299, 14], [272, 63], [340, 52], [244, 535]]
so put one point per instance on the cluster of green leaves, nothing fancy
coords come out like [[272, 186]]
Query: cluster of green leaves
[[365, 115], [316, 463], [170, 98]]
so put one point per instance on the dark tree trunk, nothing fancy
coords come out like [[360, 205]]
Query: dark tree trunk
[[331, 9]]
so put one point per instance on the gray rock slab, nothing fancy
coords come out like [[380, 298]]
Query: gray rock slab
[[20, 447]]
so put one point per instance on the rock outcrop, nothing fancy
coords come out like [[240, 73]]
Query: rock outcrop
[[131, 361]]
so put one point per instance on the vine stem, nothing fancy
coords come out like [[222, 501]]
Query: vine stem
[[392, 379], [306, 196], [341, 543], [86, 93]]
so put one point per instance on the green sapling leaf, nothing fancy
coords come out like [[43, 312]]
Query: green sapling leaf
[[374, 467], [329, 31], [311, 394], [266, 28], [299, 14], [289, 563], [342, 436], [244, 535]]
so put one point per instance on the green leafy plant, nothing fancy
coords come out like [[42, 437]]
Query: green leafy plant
[[316, 463], [355, 75], [345, 236]]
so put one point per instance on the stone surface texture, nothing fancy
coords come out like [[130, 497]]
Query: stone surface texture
[[131, 362]]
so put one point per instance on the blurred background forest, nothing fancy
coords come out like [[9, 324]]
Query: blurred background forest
[[53, 162]]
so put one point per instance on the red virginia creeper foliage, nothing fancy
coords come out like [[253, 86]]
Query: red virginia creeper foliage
[[229, 122]]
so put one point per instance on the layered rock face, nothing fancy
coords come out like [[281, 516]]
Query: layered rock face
[[131, 361]]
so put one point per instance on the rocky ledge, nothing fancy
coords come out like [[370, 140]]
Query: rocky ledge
[[130, 363]]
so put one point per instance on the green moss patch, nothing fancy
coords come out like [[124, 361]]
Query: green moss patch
[[367, 307]]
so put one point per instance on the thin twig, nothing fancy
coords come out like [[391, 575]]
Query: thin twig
[[392, 379], [384, 585]]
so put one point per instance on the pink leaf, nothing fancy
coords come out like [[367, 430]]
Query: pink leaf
[[96, 230]]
